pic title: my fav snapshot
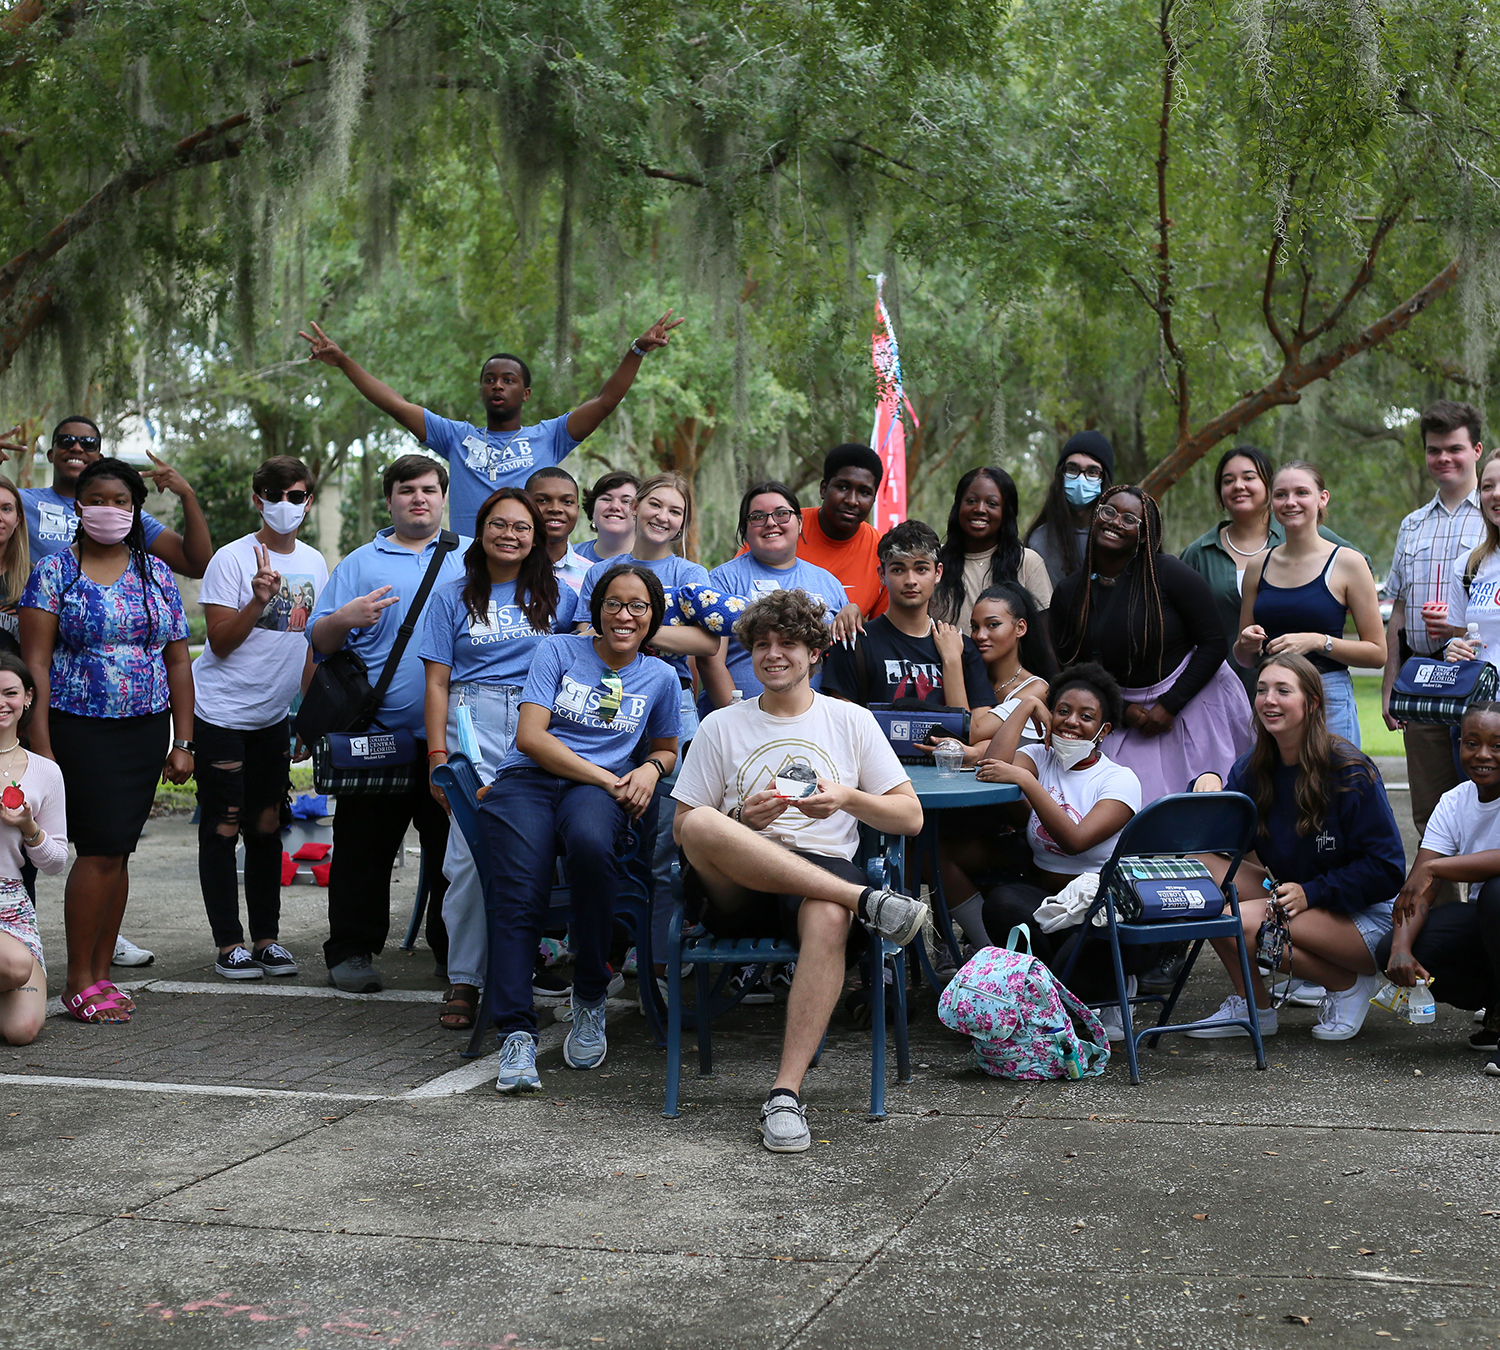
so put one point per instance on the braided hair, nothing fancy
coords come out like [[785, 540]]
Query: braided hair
[[135, 485], [1143, 589]]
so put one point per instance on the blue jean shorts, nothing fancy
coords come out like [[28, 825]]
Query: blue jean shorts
[[1373, 924]]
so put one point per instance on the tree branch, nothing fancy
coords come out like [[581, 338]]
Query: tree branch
[[1170, 61], [1291, 379], [671, 177], [1273, 254], [1363, 276]]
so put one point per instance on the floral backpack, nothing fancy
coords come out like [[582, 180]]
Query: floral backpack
[[1022, 1021]]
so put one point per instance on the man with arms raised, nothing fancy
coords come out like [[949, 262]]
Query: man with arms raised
[[756, 863]]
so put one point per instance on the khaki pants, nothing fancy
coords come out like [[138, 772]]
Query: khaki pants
[[1430, 772]]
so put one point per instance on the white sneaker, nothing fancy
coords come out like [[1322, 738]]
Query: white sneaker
[[1343, 1012], [1109, 1013], [128, 954], [1302, 993], [1232, 1007]]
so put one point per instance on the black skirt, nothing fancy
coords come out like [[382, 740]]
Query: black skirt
[[110, 768]]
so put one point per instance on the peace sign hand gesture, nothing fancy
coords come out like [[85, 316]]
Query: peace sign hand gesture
[[267, 580], [658, 335], [166, 478], [321, 347], [13, 441]]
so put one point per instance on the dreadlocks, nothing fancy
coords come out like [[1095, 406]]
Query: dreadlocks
[[1143, 589]]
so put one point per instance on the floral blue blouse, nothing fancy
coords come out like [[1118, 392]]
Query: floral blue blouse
[[107, 661]]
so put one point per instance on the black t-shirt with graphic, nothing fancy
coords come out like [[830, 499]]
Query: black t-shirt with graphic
[[890, 665]]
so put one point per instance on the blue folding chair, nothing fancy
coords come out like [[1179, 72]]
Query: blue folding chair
[[460, 783], [1174, 826], [698, 948]]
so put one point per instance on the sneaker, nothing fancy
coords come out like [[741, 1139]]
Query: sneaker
[[585, 1045], [518, 1064], [1234, 1006], [237, 964], [274, 959], [783, 1124], [753, 979], [553, 950], [128, 954], [1343, 1012], [1488, 1036], [355, 975], [1479, 1014], [1109, 1013], [628, 965], [1298, 992], [1493, 1067], [779, 978], [548, 988], [898, 918], [616, 985]]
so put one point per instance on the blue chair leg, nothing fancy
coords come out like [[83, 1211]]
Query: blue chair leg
[[1254, 1012], [419, 907], [1125, 1018], [482, 1024], [674, 1022], [705, 1044], [903, 1050], [875, 965]]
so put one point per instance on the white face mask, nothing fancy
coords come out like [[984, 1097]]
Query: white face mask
[[1071, 750], [283, 517]]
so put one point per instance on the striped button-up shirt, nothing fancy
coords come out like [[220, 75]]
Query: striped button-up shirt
[[1429, 545]]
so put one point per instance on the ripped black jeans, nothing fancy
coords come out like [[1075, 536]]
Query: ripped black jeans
[[243, 780]]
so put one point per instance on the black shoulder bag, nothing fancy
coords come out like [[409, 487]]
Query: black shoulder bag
[[350, 756]]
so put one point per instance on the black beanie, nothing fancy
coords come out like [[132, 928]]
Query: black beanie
[[1092, 444]]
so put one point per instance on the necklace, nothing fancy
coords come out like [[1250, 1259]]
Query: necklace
[[6, 749], [1254, 552], [1001, 688]]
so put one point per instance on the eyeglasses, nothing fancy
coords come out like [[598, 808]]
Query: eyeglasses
[[780, 515], [65, 440], [1094, 474], [635, 607], [504, 527], [294, 495], [1126, 518]]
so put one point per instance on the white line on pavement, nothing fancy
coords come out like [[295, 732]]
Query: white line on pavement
[[192, 1089], [263, 989]]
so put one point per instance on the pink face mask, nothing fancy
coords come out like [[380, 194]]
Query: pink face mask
[[106, 524]]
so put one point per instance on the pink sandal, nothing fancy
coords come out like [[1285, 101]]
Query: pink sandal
[[92, 1004], [117, 996]]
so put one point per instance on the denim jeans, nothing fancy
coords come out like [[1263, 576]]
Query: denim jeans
[[492, 711], [527, 818], [243, 778], [1338, 705], [666, 851]]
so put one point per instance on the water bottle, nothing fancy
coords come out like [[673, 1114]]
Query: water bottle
[[1471, 635], [1420, 1007], [737, 696], [1393, 997]]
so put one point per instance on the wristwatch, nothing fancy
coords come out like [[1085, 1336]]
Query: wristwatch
[[661, 769], [1328, 642], [183, 745]]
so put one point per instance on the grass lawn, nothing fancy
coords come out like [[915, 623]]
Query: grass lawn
[[1376, 737], [184, 796]]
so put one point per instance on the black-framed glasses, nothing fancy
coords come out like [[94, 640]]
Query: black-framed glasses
[[1126, 518], [635, 607], [66, 440], [1093, 473], [294, 495], [781, 515]]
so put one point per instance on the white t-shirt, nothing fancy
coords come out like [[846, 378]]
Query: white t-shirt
[[254, 685], [1078, 791], [1031, 688], [739, 749], [1460, 823], [1481, 605]]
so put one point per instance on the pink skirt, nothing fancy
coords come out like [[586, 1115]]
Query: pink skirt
[[1210, 733]]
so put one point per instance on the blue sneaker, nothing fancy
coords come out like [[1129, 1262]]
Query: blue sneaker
[[518, 1064], [585, 1045]]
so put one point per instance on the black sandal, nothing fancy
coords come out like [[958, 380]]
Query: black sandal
[[460, 1008]]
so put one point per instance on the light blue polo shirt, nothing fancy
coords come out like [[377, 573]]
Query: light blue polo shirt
[[383, 562]]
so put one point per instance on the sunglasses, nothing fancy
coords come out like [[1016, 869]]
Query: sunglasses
[[66, 441], [614, 696], [294, 495]]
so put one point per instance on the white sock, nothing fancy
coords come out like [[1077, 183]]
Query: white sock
[[969, 916]]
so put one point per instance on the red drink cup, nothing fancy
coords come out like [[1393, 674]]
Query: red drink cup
[[1435, 616]]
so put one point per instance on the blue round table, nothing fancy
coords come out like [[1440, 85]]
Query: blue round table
[[938, 793]]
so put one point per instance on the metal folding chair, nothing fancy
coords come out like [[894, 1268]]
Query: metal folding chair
[[1174, 826], [701, 950]]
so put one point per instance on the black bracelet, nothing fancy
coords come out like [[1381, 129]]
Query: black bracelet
[[661, 769], [734, 814]]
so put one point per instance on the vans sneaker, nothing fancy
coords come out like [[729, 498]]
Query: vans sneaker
[[1343, 1011], [274, 959], [238, 964], [751, 978], [1231, 1007]]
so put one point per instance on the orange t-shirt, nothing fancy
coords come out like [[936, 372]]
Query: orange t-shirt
[[854, 561]]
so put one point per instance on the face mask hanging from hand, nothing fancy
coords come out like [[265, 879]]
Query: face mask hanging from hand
[[106, 524], [1071, 750], [283, 517], [1081, 491]]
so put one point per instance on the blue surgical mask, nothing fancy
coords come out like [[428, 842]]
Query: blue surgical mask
[[1082, 491]]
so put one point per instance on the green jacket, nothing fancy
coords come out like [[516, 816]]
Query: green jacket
[[1218, 566]]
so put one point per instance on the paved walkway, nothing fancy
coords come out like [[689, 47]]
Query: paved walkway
[[277, 1165]]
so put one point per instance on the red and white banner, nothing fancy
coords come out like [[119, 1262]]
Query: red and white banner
[[889, 435]]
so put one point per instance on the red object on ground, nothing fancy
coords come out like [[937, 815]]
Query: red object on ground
[[320, 872], [313, 852], [13, 798], [288, 868]]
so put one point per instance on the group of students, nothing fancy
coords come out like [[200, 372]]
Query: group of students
[[592, 687]]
